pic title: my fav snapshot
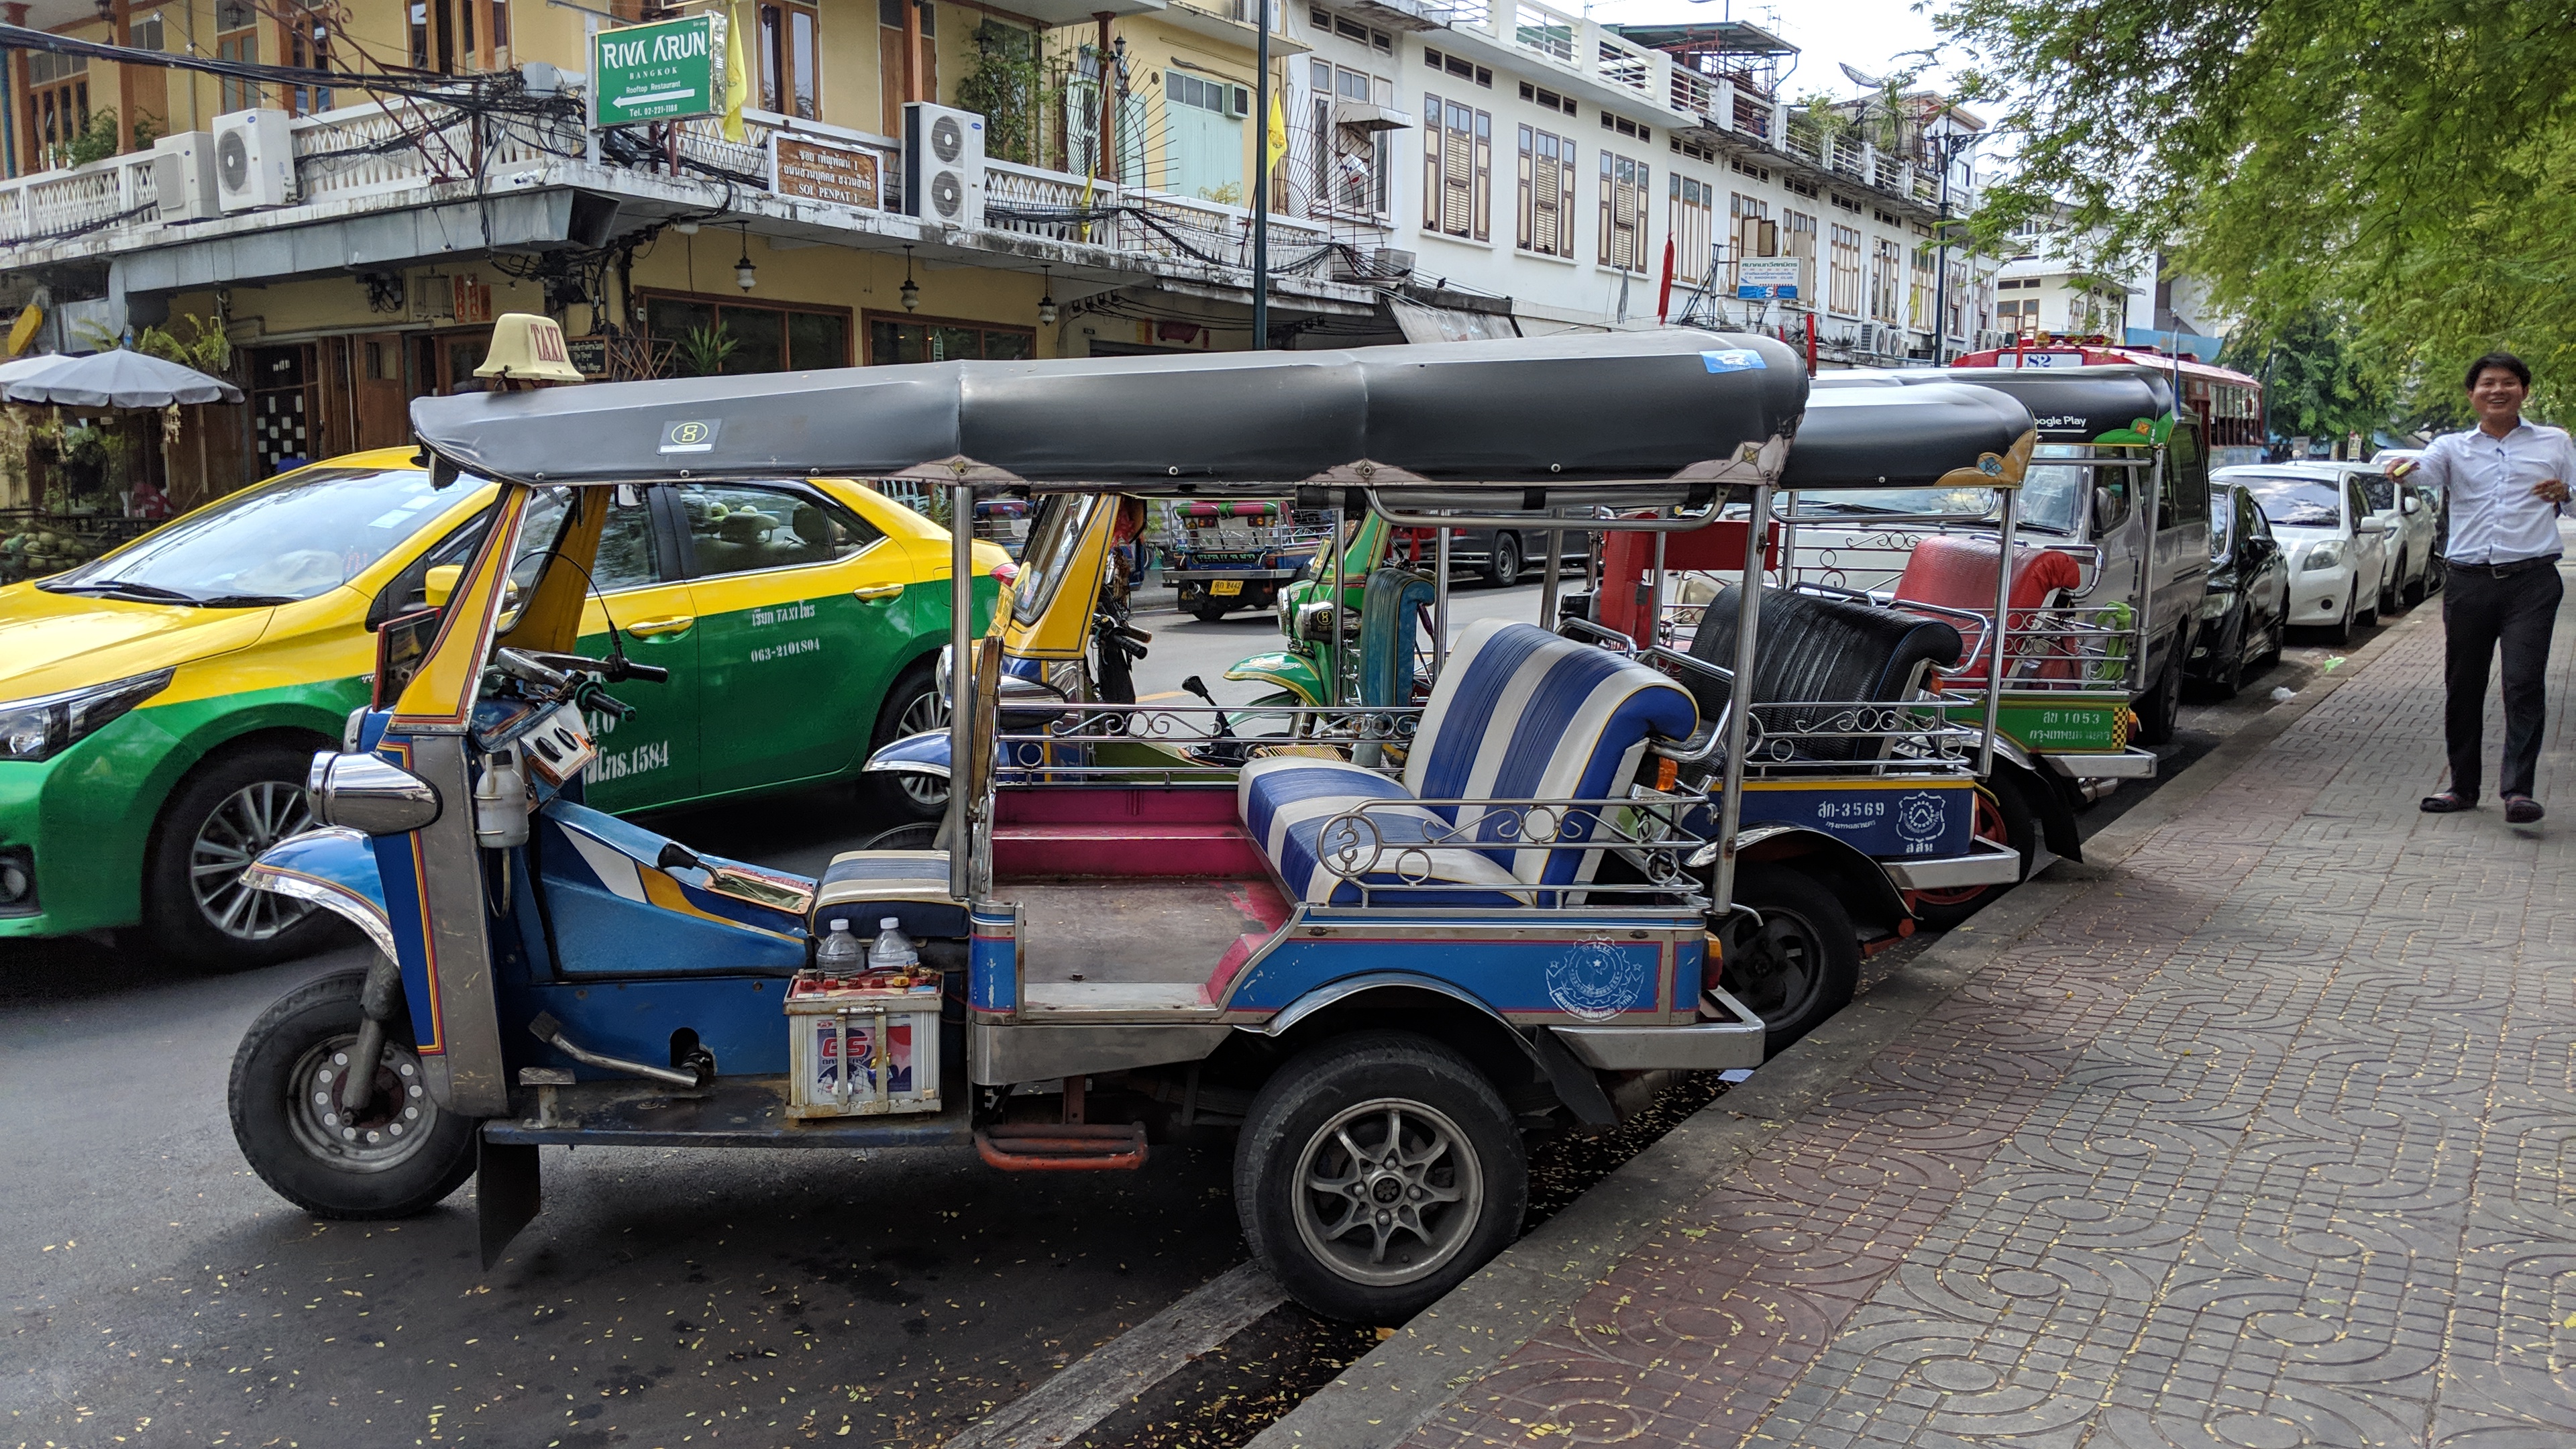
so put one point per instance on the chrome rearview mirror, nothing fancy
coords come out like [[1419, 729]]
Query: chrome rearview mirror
[[370, 795]]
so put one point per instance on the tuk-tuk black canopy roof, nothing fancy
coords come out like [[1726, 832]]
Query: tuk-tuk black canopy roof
[[1882, 436], [2069, 404], [1535, 413]]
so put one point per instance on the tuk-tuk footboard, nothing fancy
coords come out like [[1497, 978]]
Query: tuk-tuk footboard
[[731, 1112]]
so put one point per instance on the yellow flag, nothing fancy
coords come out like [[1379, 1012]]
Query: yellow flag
[[737, 74], [1275, 145]]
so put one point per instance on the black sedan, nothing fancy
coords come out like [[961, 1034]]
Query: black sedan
[[2249, 593]]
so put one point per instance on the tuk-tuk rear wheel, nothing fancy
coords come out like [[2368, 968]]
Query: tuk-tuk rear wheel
[[1376, 1172], [398, 1156], [1802, 964]]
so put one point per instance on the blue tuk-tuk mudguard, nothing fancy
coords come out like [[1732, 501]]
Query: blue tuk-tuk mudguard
[[922, 754], [1865, 891], [334, 868]]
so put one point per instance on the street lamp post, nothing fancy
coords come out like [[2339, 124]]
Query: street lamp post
[[1261, 178], [1948, 147]]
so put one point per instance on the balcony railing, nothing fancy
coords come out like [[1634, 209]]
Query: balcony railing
[[59, 205], [1083, 212]]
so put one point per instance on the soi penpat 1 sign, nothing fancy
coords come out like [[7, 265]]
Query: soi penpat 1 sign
[[659, 72]]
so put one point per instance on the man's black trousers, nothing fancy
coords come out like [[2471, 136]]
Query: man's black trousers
[[2481, 609]]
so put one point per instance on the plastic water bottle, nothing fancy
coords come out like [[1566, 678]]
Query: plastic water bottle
[[839, 954], [893, 949]]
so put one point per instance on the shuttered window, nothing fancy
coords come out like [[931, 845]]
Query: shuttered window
[[1693, 212], [1457, 168], [1844, 296], [1546, 193], [1623, 212]]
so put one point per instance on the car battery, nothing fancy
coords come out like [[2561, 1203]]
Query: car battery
[[862, 1044]]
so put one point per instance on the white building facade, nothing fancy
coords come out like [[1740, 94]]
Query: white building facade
[[1523, 152]]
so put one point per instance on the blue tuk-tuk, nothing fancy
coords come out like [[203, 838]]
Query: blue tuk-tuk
[[1383, 950]]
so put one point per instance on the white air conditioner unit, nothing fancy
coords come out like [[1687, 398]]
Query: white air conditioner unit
[[1238, 101], [1866, 339], [943, 164], [183, 177], [254, 160]]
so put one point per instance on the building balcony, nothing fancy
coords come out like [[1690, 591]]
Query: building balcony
[[375, 191]]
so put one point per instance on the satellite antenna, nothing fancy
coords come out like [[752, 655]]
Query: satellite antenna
[[1863, 78]]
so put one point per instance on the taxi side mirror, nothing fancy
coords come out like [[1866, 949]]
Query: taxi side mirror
[[2412, 504], [439, 584]]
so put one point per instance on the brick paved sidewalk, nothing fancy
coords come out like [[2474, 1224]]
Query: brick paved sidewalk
[[2268, 1139]]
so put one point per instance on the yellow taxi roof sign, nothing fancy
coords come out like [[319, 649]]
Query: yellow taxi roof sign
[[528, 348]]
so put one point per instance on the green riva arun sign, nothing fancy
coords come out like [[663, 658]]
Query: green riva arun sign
[[660, 72]]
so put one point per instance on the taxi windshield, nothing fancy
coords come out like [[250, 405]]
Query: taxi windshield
[[291, 540]]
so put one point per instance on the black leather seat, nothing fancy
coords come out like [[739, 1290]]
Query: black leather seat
[[1813, 649]]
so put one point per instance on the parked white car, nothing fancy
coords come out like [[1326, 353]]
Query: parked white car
[[2338, 545]]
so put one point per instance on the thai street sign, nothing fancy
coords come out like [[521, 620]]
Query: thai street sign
[[659, 72], [817, 170], [1763, 279]]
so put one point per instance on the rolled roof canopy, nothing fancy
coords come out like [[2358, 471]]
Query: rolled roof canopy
[[2069, 404], [1580, 418], [1879, 436]]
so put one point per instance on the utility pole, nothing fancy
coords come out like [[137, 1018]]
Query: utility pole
[[1947, 146], [1261, 180]]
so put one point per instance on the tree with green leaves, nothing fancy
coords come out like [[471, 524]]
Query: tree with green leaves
[[2316, 384], [2404, 164]]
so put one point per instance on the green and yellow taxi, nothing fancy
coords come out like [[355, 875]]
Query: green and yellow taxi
[[159, 705]]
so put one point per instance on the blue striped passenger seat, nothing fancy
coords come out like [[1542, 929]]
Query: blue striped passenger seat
[[1518, 714]]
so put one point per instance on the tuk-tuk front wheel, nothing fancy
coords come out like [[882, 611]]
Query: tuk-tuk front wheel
[[397, 1155], [1375, 1173], [1801, 965]]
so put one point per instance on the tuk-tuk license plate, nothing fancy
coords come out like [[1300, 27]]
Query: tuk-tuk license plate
[[1225, 587]]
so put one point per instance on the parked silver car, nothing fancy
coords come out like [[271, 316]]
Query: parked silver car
[[2342, 555]]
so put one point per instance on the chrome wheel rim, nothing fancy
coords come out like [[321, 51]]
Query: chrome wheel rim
[[927, 711], [1387, 1192], [399, 1115], [233, 834]]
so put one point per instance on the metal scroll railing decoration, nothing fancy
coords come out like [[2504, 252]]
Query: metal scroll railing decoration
[[1409, 851], [1189, 743]]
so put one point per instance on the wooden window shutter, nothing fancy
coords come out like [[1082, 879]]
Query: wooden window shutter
[[1484, 197], [1432, 131], [1527, 175]]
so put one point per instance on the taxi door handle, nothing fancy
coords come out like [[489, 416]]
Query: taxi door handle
[[667, 624], [873, 592]]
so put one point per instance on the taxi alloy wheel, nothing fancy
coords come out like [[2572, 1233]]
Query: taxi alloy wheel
[[234, 805], [245, 824], [912, 706]]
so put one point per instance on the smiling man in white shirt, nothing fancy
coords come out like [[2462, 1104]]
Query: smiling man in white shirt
[[2504, 485]]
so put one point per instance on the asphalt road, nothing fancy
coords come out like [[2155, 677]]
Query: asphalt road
[[158, 1293]]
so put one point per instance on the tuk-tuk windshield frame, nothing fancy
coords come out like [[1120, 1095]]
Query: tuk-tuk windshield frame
[[1055, 540]]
